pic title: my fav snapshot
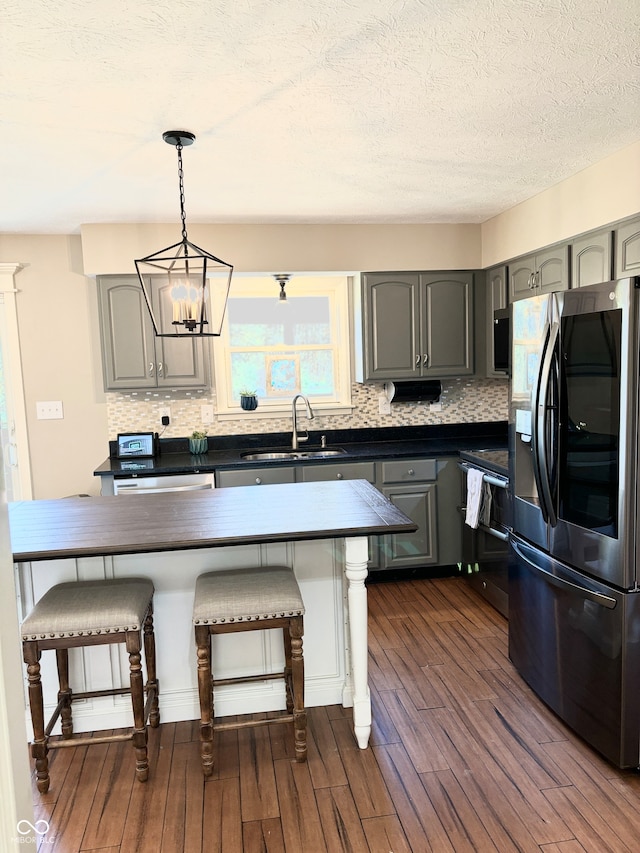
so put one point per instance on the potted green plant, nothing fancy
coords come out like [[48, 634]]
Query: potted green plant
[[198, 442], [248, 400]]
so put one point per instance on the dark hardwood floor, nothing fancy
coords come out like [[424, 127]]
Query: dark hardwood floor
[[463, 757]]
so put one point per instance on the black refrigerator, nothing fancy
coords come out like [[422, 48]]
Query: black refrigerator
[[574, 599]]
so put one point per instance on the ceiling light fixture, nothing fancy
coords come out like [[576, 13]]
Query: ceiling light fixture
[[185, 287], [282, 279]]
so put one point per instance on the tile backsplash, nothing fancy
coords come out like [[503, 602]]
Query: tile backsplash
[[463, 401]]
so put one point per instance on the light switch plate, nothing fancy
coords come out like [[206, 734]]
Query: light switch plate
[[49, 410]]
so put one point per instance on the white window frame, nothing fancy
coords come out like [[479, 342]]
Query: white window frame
[[337, 287]]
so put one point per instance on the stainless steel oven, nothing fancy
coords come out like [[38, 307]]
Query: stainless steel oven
[[485, 547]]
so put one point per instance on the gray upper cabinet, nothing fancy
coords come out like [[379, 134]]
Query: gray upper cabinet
[[496, 298], [591, 258], [133, 357], [541, 272], [417, 325], [627, 241]]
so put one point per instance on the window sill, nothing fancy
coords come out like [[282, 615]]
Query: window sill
[[326, 410]]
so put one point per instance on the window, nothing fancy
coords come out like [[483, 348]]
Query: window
[[279, 349]]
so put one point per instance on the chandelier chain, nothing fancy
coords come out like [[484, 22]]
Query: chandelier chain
[[183, 215]]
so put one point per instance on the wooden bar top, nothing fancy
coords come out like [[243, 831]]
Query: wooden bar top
[[172, 521]]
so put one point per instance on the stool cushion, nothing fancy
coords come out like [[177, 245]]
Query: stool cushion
[[246, 595], [80, 608]]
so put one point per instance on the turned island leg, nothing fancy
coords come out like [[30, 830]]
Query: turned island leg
[[356, 559]]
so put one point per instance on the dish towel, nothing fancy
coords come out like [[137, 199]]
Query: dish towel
[[474, 496]]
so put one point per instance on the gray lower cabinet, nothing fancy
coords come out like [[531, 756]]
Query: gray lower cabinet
[[427, 490], [592, 258], [542, 272], [417, 325], [132, 356], [256, 476], [627, 249]]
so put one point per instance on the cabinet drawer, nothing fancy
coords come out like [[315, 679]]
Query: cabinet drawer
[[256, 477], [348, 471], [409, 470]]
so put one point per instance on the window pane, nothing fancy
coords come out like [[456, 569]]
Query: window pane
[[248, 373], [265, 322], [316, 372]]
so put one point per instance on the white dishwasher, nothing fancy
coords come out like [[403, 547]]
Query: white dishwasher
[[165, 483]]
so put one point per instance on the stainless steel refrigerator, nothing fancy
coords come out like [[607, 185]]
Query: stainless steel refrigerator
[[574, 598]]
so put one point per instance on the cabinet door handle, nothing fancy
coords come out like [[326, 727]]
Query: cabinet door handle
[[411, 472], [258, 480], [159, 368], [339, 476], [418, 359], [530, 281], [150, 368], [425, 359]]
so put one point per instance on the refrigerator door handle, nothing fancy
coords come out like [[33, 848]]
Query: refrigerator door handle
[[540, 449], [561, 583]]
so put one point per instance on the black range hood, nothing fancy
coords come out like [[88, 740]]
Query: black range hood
[[414, 391]]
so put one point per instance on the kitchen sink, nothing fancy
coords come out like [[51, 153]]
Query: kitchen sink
[[275, 455]]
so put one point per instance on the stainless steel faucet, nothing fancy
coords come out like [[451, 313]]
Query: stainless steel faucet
[[295, 438]]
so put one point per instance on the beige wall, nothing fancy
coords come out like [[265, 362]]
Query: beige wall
[[603, 193], [292, 248], [57, 317], [58, 313]]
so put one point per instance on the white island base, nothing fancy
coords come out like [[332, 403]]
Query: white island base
[[331, 574]]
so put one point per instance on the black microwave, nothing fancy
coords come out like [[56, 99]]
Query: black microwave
[[501, 340]]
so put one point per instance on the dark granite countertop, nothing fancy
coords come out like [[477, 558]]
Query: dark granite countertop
[[359, 445], [496, 461]]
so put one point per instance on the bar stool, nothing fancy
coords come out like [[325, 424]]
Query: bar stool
[[252, 599], [90, 613]]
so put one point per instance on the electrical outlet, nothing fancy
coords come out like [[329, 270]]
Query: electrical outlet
[[206, 414], [436, 407], [165, 412], [49, 410], [384, 405]]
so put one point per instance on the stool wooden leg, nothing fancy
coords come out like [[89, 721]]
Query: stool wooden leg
[[64, 693], [31, 654], [297, 671], [288, 680], [137, 700], [152, 679], [205, 691]]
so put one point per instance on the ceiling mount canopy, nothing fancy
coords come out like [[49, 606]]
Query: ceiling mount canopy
[[185, 287], [282, 278]]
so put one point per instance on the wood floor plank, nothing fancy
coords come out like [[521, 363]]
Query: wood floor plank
[[499, 807], [340, 820], [590, 827], [222, 821], [417, 740], [257, 778], [145, 815], [420, 822], [424, 692], [323, 755], [105, 824], [301, 824], [263, 836], [385, 835], [381, 671], [73, 806], [184, 811], [382, 728], [465, 830], [367, 784]]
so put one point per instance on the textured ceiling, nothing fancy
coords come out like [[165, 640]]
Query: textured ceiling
[[358, 111]]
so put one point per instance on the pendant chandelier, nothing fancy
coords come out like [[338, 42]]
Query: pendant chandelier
[[185, 287]]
